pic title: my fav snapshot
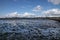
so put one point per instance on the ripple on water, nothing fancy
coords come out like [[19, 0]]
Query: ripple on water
[[29, 30]]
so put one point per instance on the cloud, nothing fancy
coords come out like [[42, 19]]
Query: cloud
[[15, 14], [56, 2], [37, 8], [47, 13], [26, 14], [52, 13]]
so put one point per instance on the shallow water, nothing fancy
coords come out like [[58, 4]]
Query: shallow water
[[29, 30]]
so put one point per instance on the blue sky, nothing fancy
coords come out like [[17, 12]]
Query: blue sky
[[30, 6]]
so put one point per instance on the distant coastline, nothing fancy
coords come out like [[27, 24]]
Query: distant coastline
[[14, 18]]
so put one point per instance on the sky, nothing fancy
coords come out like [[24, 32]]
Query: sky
[[30, 8]]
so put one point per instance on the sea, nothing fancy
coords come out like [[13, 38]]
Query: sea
[[29, 29]]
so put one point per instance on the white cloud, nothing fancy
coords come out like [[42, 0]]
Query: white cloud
[[52, 13], [47, 13], [15, 14], [26, 14], [37, 8], [56, 2]]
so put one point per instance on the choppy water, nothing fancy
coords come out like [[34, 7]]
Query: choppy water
[[29, 30]]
